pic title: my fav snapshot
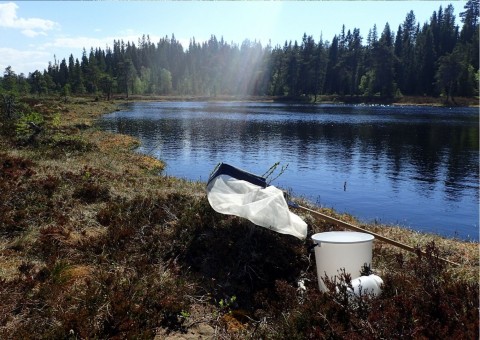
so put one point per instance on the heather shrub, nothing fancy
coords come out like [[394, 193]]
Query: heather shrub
[[419, 299], [90, 192], [61, 144], [422, 298], [15, 193], [121, 303]]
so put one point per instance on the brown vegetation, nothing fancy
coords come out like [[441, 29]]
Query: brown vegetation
[[95, 244]]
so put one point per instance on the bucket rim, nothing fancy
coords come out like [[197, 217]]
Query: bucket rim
[[342, 237]]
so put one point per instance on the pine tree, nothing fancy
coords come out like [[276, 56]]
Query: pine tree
[[63, 73], [106, 83], [37, 83], [470, 20], [9, 82], [447, 74], [425, 55], [469, 35], [331, 81], [306, 73], [320, 66], [77, 79], [291, 69], [448, 31], [383, 64], [126, 74], [407, 58]]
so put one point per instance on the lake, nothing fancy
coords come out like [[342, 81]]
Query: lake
[[403, 165]]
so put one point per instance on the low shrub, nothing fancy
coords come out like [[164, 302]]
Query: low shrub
[[419, 299], [92, 192], [15, 193]]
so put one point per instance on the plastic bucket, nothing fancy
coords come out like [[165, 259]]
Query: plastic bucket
[[336, 250]]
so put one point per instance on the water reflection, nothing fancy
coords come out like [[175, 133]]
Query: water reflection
[[413, 166]]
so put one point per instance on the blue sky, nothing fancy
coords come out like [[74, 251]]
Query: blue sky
[[32, 32]]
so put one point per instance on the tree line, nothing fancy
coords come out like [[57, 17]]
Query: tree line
[[433, 59]]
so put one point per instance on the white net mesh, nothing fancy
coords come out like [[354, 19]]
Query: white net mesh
[[266, 207]]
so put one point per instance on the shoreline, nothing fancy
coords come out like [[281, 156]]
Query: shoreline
[[330, 100]]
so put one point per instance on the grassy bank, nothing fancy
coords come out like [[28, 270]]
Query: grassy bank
[[96, 243]]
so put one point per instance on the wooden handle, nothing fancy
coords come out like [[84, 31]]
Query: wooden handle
[[377, 236]]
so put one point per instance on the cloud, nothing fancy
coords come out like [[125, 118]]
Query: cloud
[[31, 27], [32, 33], [23, 61], [80, 42]]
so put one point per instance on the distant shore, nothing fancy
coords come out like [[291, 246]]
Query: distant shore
[[326, 99]]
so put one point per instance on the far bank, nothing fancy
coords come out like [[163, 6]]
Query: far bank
[[323, 99]]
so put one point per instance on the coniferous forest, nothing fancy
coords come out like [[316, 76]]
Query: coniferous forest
[[436, 58]]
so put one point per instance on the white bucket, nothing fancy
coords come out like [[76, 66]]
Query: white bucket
[[336, 250]]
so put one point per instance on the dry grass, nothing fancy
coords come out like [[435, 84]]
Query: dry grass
[[109, 142]]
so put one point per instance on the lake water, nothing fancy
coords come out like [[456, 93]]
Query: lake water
[[410, 166]]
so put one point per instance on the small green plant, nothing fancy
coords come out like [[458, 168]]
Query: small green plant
[[59, 272], [272, 170], [56, 120], [22, 125], [29, 126], [226, 304], [184, 314], [87, 175]]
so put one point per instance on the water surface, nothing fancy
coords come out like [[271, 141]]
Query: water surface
[[413, 166]]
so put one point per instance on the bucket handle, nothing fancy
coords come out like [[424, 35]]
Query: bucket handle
[[311, 247]]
